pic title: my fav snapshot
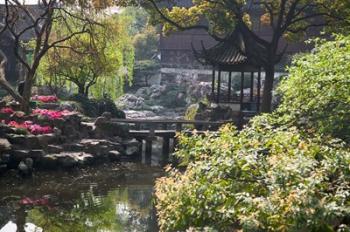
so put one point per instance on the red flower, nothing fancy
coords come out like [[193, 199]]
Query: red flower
[[7, 110], [32, 128], [17, 125], [52, 114], [37, 129], [45, 99]]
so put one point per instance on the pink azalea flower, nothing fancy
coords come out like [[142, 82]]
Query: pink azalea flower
[[51, 114], [17, 125], [32, 128], [45, 99], [7, 110], [37, 129]]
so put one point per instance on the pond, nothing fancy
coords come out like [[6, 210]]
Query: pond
[[114, 197]]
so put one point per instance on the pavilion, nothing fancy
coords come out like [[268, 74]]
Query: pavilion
[[227, 58]]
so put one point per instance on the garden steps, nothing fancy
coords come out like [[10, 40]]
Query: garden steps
[[73, 143]]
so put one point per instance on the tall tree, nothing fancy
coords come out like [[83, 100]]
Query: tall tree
[[22, 21], [285, 18], [101, 58]]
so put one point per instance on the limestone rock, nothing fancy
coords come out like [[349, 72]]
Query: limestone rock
[[111, 129], [5, 129], [48, 162], [75, 147], [99, 147], [25, 141], [132, 147], [46, 139], [66, 159], [114, 155], [130, 101], [18, 155], [36, 154], [54, 148], [4, 145], [25, 167]]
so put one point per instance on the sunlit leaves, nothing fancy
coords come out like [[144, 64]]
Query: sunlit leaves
[[101, 59], [265, 178], [316, 95]]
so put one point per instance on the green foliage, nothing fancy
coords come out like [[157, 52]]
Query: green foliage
[[287, 171], [100, 61], [148, 66], [294, 16], [138, 18], [264, 178], [146, 43], [191, 112], [316, 94]]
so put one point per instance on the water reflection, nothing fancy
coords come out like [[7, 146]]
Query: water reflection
[[97, 199]]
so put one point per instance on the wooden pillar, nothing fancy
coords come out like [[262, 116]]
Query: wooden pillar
[[137, 126], [213, 83], [148, 150], [166, 149], [229, 86], [149, 140], [178, 127], [259, 89], [219, 86], [140, 140], [251, 86], [242, 92], [164, 126]]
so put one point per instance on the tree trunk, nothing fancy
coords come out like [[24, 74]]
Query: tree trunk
[[6, 85], [81, 90], [268, 86], [27, 92], [87, 89]]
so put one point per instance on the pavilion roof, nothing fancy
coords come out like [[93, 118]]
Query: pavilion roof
[[227, 55]]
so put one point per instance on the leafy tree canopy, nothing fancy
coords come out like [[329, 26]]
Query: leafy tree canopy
[[316, 94], [101, 59], [283, 18], [287, 171]]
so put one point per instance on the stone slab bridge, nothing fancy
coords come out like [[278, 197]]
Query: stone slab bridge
[[146, 131]]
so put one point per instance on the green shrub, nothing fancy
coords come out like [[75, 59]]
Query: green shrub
[[316, 95], [264, 178], [96, 107], [191, 112], [288, 171]]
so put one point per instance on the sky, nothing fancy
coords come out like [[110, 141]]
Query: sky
[[110, 10], [29, 2]]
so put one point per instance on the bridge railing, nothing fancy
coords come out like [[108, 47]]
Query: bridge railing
[[168, 124]]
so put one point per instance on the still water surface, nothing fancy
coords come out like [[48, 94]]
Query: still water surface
[[105, 198]]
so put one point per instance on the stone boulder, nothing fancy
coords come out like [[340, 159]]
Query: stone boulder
[[21, 154], [108, 129], [5, 129], [132, 147], [4, 145], [66, 160], [25, 141], [25, 167], [213, 113], [131, 102]]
